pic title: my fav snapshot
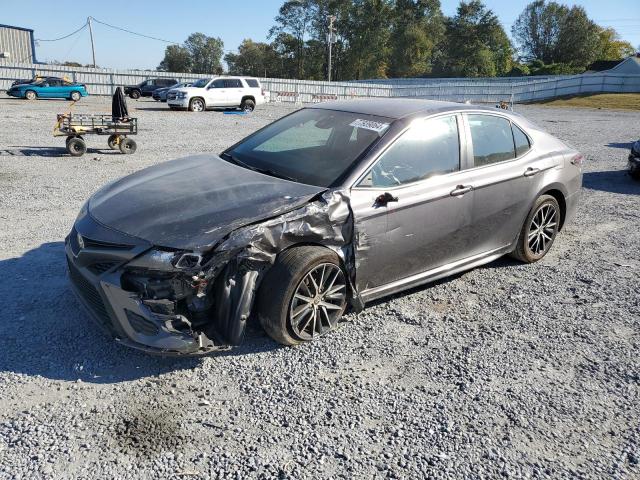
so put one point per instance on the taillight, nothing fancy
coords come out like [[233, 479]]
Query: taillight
[[578, 160]]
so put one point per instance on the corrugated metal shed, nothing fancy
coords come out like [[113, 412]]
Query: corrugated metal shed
[[16, 45]]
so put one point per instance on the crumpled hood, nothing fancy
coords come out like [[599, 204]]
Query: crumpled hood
[[194, 202]]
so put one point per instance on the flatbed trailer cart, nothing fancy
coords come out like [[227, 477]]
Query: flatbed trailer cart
[[75, 126]]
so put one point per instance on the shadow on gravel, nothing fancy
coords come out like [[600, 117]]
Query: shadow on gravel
[[45, 332], [626, 146], [24, 151], [615, 181]]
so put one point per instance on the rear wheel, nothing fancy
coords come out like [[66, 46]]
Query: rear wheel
[[113, 141], [30, 95], [135, 94], [539, 230], [303, 296], [76, 146], [128, 145], [75, 96], [196, 105], [248, 105]]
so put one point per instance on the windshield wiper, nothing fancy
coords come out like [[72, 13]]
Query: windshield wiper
[[266, 171]]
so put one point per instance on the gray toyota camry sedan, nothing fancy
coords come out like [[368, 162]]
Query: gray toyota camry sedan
[[325, 209]]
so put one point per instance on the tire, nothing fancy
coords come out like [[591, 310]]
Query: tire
[[278, 301], [75, 96], [135, 94], [535, 240], [113, 141], [248, 105], [197, 105], [30, 95], [128, 145], [76, 146]]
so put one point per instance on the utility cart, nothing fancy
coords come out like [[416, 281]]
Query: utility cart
[[75, 126]]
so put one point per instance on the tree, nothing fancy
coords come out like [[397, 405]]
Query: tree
[[294, 19], [205, 52], [253, 58], [611, 47], [418, 26], [475, 44], [176, 59]]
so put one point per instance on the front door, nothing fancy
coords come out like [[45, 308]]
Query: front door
[[427, 199], [216, 93]]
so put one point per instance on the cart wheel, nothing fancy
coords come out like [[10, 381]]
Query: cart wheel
[[66, 140], [76, 146], [127, 145], [114, 141]]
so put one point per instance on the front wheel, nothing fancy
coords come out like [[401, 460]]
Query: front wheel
[[135, 94], [30, 95], [196, 105], [539, 230], [303, 296], [75, 96]]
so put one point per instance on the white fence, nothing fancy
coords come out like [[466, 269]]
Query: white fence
[[476, 90]]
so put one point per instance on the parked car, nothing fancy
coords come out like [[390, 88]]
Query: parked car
[[160, 94], [332, 206], [633, 165], [37, 78], [146, 88], [48, 87], [236, 92]]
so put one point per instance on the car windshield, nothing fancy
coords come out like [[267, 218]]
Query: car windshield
[[312, 146], [201, 83]]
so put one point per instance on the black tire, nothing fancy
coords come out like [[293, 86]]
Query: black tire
[[197, 105], [128, 145], [75, 96], [113, 141], [135, 94], [30, 95], [76, 146], [527, 250], [276, 295], [248, 105]]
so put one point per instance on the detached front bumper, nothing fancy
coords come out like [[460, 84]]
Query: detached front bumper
[[96, 271]]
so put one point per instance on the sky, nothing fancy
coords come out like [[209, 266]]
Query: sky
[[232, 21]]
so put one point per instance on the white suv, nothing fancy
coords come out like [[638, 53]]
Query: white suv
[[241, 92]]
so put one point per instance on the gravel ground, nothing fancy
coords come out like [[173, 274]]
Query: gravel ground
[[508, 370]]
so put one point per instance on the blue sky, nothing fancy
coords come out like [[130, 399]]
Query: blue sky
[[230, 20]]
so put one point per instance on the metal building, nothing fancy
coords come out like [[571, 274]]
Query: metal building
[[16, 45]]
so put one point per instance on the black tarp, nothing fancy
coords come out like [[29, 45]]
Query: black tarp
[[119, 105]]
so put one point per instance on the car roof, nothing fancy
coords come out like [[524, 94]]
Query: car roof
[[396, 107]]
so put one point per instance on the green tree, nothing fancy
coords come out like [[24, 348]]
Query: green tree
[[475, 44], [205, 52], [294, 19], [418, 26], [611, 47], [176, 59], [258, 59]]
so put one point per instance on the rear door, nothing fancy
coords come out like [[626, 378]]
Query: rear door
[[235, 91], [506, 179], [427, 198]]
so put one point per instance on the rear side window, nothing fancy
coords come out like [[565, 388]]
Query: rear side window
[[521, 141], [429, 148], [252, 82], [492, 139], [233, 83]]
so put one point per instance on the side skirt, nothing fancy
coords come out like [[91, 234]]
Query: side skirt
[[434, 274]]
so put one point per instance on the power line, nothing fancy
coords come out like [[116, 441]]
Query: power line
[[61, 38], [135, 33]]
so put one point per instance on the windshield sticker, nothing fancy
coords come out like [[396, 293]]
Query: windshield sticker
[[369, 125]]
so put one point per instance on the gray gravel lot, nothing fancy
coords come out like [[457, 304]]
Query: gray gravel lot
[[508, 370]]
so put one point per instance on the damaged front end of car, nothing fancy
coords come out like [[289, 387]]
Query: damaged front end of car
[[184, 302]]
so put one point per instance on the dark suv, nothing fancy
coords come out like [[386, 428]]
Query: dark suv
[[146, 88]]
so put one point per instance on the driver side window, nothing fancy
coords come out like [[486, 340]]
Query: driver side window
[[430, 147], [218, 83]]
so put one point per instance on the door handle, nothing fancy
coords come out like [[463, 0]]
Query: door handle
[[530, 172], [461, 190], [386, 197]]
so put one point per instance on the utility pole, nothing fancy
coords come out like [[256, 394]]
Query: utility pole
[[93, 48], [331, 40]]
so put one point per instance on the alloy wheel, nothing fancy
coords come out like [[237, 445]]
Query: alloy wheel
[[197, 106], [318, 301], [543, 229]]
